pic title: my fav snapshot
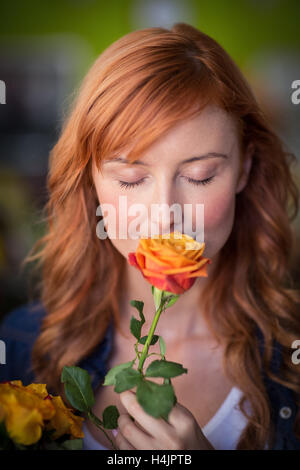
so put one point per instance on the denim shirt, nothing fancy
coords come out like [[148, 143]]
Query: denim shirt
[[20, 328]]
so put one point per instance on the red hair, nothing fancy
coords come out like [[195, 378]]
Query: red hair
[[136, 90]]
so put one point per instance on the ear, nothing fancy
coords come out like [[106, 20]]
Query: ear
[[245, 171]]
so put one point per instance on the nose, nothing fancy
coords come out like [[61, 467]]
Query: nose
[[162, 217], [163, 220]]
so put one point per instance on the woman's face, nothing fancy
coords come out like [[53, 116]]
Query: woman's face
[[163, 176]]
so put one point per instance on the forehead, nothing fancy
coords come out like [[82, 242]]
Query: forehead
[[212, 123], [212, 130]]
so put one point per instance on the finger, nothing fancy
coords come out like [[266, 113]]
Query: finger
[[176, 413], [154, 426], [122, 442], [133, 434], [182, 420]]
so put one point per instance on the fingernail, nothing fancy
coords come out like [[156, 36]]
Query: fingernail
[[115, 432]]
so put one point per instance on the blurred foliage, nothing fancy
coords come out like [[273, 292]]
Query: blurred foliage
[[240, 26], [20, 226]]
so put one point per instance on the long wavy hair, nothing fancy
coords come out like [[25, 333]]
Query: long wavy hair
[[136, 90]]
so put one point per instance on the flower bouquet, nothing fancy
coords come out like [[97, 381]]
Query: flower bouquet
[[31, 419], [171, 265]]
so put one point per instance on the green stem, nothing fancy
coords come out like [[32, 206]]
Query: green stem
[[95, 420], [166, 381], [136, 350], [150, 335]]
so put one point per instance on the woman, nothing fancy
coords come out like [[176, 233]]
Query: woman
[[152, 100]]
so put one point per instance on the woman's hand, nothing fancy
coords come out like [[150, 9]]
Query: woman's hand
[[182, 431]]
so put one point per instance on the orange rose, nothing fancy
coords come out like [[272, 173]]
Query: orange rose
[[170, 264]]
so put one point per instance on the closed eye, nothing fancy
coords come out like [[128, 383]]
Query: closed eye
[[197, 182], [126, 185]]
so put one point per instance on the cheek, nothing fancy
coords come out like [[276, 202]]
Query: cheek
[[114, 225], [218, 220], [217, 211]]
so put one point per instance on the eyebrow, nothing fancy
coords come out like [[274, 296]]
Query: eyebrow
[[189, 160]]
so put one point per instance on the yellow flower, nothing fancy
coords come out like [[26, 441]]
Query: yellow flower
[[27, 410], [24, 425], [39, 389], [24, 410], [64, 421], [30, 396]]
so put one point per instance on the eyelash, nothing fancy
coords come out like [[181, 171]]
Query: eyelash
[[123, 184], [198, 182]]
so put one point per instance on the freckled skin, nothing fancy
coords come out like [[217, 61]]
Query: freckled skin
[[218, 220], [213, 130], [165, 180], [187, 337]]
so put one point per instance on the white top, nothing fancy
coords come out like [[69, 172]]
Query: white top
[[223, 430]]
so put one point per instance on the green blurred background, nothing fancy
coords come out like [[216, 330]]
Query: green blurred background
[[46, 47]]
